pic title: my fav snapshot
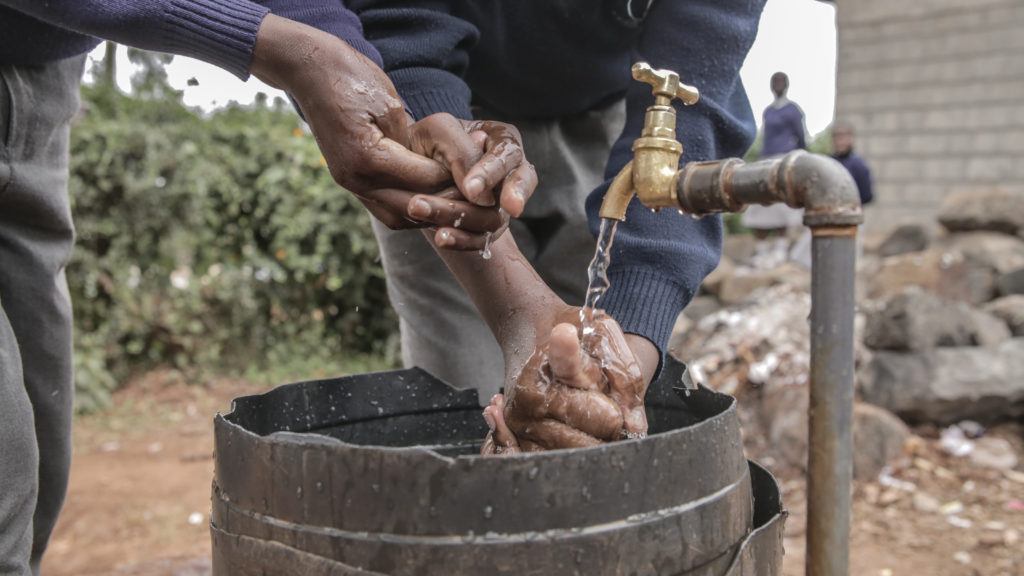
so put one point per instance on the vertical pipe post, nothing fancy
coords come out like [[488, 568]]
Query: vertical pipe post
[[830, 416]]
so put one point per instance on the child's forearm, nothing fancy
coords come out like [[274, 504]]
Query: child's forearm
[[506, 290]]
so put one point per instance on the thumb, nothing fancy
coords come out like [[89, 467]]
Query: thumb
[[569, 365]]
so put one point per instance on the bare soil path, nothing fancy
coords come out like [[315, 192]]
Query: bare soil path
[[140, 495]]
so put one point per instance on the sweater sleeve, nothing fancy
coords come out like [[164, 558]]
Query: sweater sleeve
[[660, 259], [330, 16], [425, 51], [221, 32]]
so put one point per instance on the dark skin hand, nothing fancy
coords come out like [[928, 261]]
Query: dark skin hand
[[401, 170], [454, 175], [573, 392], [562, 393]]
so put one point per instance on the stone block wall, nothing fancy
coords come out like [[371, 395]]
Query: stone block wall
[[935, 90]]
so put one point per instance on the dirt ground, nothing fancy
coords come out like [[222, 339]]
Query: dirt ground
[[140, 494]]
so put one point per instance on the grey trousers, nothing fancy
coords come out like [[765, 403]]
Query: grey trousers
[[36, 235], [440, 329]]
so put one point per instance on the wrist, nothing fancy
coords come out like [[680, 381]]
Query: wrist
[[646, 354], [284, 51]]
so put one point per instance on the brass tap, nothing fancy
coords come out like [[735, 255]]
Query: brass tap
[[653, 172]]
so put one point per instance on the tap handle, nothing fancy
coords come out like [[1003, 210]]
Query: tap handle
[[665, 84]]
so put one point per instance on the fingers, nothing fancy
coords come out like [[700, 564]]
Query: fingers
[[496, 413], [445, 139], [389, 206], [459, 240], [552, 435], [517, 189], [502, 159], [500, 440], [569, 365], [619, 365], [458, 214], [590, 412], [394, 122], [388, 164], [626, 383]]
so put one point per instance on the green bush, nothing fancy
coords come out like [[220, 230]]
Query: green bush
[[215, 242]]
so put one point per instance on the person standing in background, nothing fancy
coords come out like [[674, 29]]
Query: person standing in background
[[842, 150], [783, 121], [777, 225]]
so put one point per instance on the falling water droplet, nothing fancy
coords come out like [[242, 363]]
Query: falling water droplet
[[486, 252]]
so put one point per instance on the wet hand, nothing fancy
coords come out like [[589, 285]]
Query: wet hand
[[574, 393], [489, 169], [355, 114]]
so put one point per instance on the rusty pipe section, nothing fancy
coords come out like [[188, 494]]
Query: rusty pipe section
[[816, 183], [828, 195]]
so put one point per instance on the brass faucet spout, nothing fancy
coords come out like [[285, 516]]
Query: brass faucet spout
[[619, 193], [654, 170]]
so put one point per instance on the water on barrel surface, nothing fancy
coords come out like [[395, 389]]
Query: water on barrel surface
[[399, 493]]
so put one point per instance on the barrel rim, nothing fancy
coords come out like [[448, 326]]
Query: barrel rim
[[223, 421]]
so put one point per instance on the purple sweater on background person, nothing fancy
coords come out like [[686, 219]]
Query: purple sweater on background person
[[783, 129]]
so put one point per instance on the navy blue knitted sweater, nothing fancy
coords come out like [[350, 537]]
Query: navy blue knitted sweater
[[523, 58]]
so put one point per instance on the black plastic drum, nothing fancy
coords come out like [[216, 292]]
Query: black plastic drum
[[378, 474]]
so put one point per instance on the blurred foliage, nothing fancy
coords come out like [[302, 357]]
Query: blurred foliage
[[213, 242]]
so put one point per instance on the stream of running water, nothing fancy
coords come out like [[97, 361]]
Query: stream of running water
[[597, 273]]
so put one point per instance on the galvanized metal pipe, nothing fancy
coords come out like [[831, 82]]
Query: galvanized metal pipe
[[830, 414], [828, 195]]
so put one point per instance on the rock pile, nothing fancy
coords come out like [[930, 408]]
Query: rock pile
[[946, 324], [940, 335]]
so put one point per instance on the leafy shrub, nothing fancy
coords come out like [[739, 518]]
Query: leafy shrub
[[213, 242]]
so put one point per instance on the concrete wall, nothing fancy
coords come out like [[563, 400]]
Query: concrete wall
[[935, 89]]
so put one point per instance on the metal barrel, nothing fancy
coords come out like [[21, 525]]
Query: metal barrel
[[378, 474]]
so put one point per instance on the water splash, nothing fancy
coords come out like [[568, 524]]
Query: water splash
[[597, 272], [486, 252]]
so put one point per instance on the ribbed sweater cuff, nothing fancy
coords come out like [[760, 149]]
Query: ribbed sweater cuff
[[428, 91], [646, 303], [221, 32]]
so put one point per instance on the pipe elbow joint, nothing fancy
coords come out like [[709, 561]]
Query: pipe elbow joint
[[822, 187]]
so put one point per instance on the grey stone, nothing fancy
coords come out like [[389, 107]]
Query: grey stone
[[925, 503], [1011, 282], [946, 385], [993, 452], [739, 247], [1000, 252], [878, 440], [947, 273], [878, 435], [739, 286], [917, 320], [906, 238], [701, 306], [713, 282], [997, 210], [679, 332], [1009, 309]]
